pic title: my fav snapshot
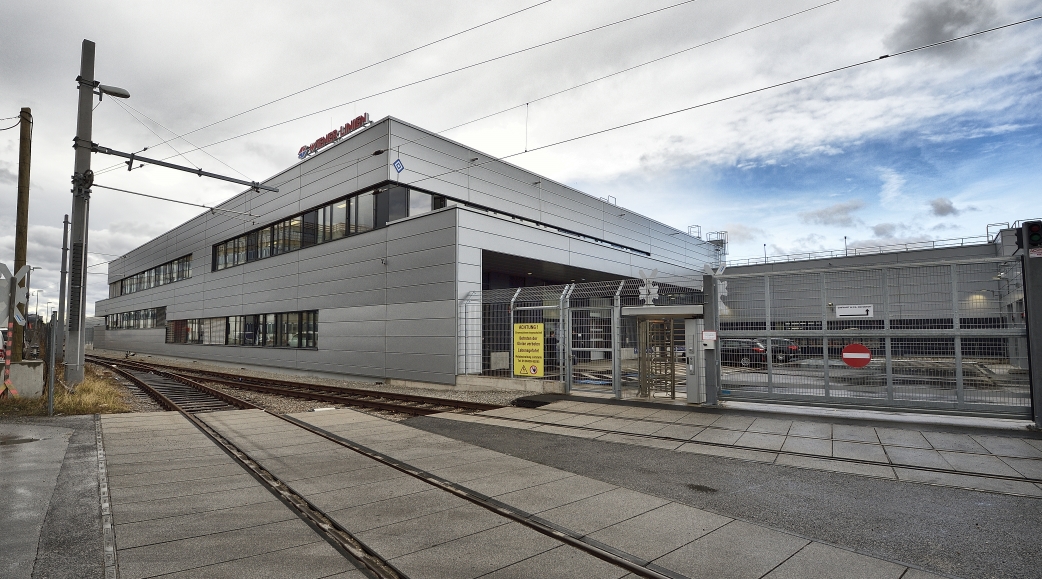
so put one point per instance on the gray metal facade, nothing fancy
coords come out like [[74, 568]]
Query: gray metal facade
[[388, 299]]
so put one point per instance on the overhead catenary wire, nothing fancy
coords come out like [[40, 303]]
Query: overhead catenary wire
[[172, 200], [732, 97], [440, 75], [357, 70]]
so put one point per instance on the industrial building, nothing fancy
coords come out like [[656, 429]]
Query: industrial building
[[360, 263]]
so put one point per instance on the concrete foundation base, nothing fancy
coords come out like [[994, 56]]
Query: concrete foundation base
[[469, 382], [27, 378]]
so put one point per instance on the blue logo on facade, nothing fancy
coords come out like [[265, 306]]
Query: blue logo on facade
[[398, 165]]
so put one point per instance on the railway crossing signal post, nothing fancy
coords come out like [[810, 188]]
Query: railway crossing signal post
[[1031, 235]]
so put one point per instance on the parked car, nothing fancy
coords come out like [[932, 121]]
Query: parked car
[[753, 353]]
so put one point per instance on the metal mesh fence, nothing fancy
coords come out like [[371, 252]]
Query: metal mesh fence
[[948, 336], [587, 345]]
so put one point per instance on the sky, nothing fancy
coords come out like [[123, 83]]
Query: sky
[[931, 145]]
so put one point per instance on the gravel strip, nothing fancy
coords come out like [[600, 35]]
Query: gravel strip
[[497, 397], [286, 405]]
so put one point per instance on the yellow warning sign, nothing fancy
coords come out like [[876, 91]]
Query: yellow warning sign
[[528, 350]]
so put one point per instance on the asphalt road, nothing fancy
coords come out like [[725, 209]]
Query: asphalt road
[[956, 532]]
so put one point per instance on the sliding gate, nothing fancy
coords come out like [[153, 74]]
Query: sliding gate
[[948, 336]]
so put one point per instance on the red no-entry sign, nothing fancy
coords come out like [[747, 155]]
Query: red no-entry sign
[[856, 356]]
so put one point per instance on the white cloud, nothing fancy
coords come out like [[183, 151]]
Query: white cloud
[[892, 188], [840, 214]]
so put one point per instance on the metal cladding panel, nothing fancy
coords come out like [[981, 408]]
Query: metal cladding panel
[[353, 343], [433, 310], [445, 328], [353, 314], [375, 328], [421, 276], [419, 293], [404, 365]]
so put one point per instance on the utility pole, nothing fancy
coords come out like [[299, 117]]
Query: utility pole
[[82, 179], [21, 229], [59, 350]]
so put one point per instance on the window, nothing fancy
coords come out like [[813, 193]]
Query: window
[[264, 243], [137, 319], [420, 203], [339, 219], [283, 330], [391, 204], [309, 229], [163, 274], [362, 213]]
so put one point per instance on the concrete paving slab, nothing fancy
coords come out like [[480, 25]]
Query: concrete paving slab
[[818, 561], [637, 412], [978, 463], [950, 441], [179, 454], [181, 475], [698, 419], [1007, 446], [565, 562], [163, 465], [179, 488], [565, 431], [152, 531], [553, 494], [859, 451], [899, 437], [475, 470], [877, 471], [594, 513], [668, 415], [761, 440], [847, 432], [728, 452], [116, 450], [732, 422], [420, 533], [640, 441], [318, 446], [737, 550], [477, 554], [811, 429], [391, 511], [511, 423], [343, 480], [577, 419], [292, 471], [770, 426], [368, 493], [917, 457], [680, 431], [210, 549], [818, 446], [160, 508], [1030, 468], [660, 531], [969, 482], [718, 436], [312, 561], [474, 454], [515, 480]]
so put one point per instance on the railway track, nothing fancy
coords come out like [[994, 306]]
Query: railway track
[[411, 404], [174, 392]]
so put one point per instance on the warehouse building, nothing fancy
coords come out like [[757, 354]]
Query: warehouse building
[[359, 264]]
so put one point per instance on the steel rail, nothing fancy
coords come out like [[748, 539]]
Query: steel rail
[[340, 538], [631, 564]]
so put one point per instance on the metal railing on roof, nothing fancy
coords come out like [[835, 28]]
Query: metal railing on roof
[[853, 251]]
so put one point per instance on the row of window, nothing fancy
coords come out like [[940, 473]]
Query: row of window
[[169, 272], [282, 330], [137, 319], [349, 216]]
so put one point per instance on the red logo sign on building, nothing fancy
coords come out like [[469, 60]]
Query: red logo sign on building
[[334, 136]]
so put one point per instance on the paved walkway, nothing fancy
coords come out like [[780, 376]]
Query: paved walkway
[[429, 537], [31, 456], [996, 463], [181, 507]]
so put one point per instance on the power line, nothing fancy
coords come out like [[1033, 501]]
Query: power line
[[735, 96], [357, 70], [625, 70], [212, 209], [443, 74]]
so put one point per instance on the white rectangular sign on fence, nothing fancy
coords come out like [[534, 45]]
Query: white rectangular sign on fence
[[856, 311]]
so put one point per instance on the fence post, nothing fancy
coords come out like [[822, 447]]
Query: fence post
[[566, 338], [711, 322], [616, 343], [767, 327], [960, 394], [886, 329], [825, 335], [510, 347]]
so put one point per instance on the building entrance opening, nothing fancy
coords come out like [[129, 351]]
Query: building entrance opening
[[669, 352]]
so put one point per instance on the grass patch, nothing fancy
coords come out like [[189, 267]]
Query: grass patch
[[97, 394]]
